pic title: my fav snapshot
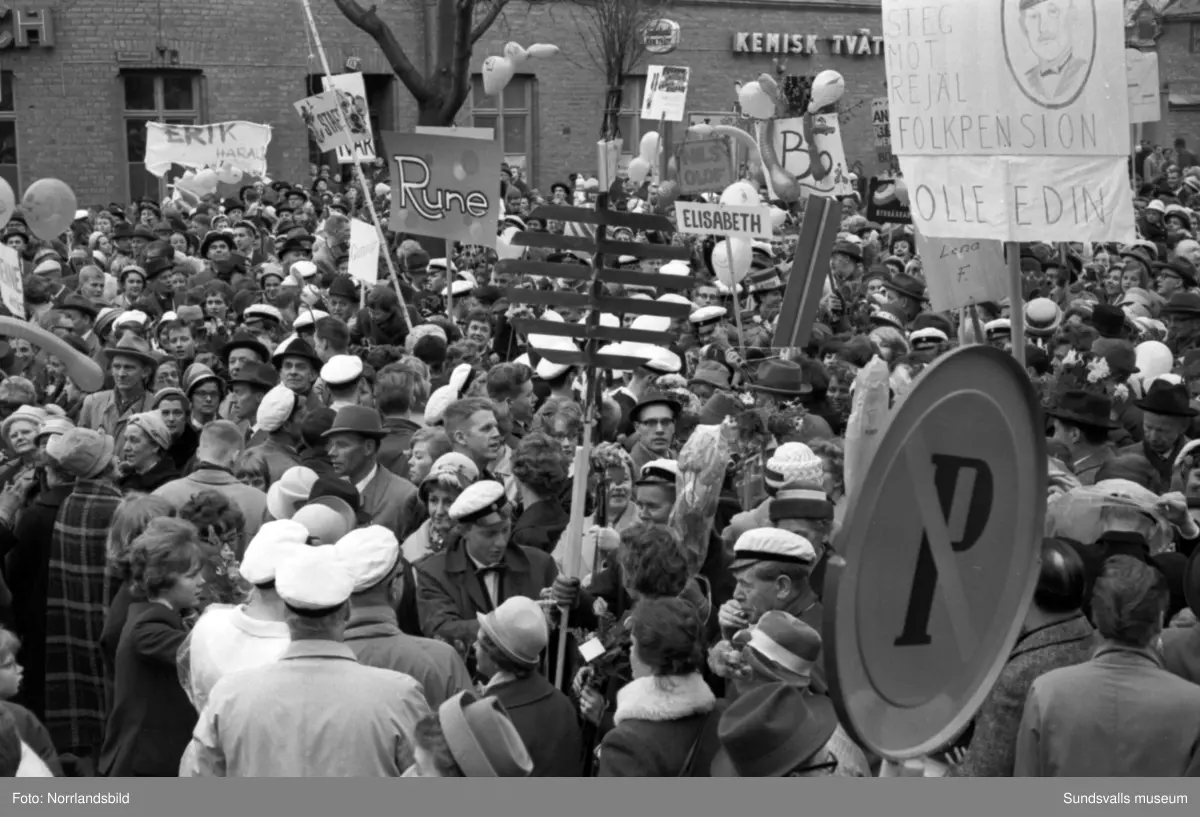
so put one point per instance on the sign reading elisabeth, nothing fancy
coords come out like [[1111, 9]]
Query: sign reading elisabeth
[[697, 218], [1011, 119], [445, 187]]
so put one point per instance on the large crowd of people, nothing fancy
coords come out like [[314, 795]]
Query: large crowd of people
[[314, 527]]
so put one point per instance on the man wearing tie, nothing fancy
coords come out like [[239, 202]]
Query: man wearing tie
[[1049, 27], [479, 569]]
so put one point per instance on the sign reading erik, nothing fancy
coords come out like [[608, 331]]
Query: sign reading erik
[[445, 187]]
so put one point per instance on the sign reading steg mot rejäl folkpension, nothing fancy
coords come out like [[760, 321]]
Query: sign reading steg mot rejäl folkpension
[[694, 218], [1011, 117]]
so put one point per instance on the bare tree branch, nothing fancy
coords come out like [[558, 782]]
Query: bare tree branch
[[368, 21], [489, 17]]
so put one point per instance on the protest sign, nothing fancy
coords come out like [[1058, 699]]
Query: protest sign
[[445, 187], [12, 291], [886, 201], [326, 126], [696, 218], [883, 128], [795, 154], [364, 252], [354, 105], [962, 272], [705, 166], [487, 134], [1145, 99], [1014, 105], [666, 93], [235, 144]]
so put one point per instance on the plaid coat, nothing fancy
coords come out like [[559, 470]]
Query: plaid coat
[[77, 693]]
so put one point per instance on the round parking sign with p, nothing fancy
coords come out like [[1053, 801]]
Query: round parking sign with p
[[941, 546]]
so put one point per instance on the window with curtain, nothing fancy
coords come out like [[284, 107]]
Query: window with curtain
[[511, 117], [633, 127], [8, 134], [172, 98]]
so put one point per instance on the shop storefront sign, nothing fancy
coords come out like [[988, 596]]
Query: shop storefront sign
[[661, 36], [861, 43], [25, 28]]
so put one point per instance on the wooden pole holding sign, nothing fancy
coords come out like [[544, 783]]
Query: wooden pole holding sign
[[449, 281], [737, 302], [1016, 302], [362, 177]]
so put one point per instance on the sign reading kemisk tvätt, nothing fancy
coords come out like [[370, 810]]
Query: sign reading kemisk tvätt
[[1011, 118]]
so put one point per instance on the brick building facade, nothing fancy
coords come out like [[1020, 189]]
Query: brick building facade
[[81, 80]]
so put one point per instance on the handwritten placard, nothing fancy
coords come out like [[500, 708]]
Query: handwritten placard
[[961, 272], [361, 148], [364, 252], [1029, 91], [445, 187], [665, 97], [820, 167], [236, 144], [12, 290], [705, 166], [325, 124], [697, 218], [1145, 96]]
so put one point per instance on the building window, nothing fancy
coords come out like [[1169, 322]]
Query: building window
[[633, 127], [379, 106], [511, 116], [8, 134], [171, 98], [1194, 39]]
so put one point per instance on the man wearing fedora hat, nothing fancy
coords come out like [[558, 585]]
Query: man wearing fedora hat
[[908, 292], [353, 445], [508, 650], [1182, 316], [1082, 422], [469, 736], [130, 364], [775, 730], [780, 381], [1167, 414]]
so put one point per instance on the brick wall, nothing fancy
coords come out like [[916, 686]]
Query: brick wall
[[254, 57], [1179, 70]]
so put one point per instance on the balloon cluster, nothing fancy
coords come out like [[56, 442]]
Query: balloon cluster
[[647, 158], [732, 257], [499, 71], [204, 182], [760, 101]]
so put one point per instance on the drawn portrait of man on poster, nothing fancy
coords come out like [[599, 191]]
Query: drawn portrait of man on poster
[[1060, 36]]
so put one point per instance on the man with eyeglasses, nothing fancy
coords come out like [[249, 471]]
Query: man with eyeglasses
[[205, 390], [654, 421], [1177, 276]]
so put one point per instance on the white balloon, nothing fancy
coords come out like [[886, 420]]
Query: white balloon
[[648, 149], [743, 255], [778, 217], [516, 53], [639, 169], [504, 245], [229, 175], [189, 174], [741, 194], [755, 102], [827, 88], [206, 180], [497, 73], [542, 50]]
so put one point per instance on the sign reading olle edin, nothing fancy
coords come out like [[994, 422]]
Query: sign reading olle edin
[[861, 43]]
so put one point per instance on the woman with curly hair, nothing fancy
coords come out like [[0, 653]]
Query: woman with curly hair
[[617, 513], [221, 526], [447, 478], [666, 717], [151, 721], [131, 518], [540, 469]]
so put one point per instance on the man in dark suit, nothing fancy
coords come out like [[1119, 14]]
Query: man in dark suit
[[1049, 27], [480, 570]]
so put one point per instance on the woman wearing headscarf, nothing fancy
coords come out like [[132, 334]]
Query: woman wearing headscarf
[[144, 465], [447, 478]]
